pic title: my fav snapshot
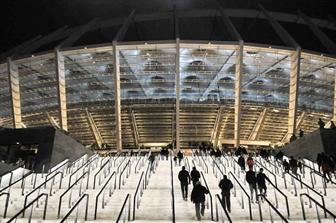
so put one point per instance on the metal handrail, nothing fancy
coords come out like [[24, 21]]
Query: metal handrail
[[146, 175], [122, 172], [324, 184], [272, 206], [186, 161], [264, 167], [172, 189], [123, 207], [18, 180], [10, 178], [115, 159], [308, 187], [243, 189], [213, 169], [224, 209], [136, 193], [207, 169], [121, 164], [6, 203], [22, 211], [82, 166], [76, 205], [211, 206], [135, 168], [67, 162], [101, 168], [70, 188], [276, 200], [78, 160], [224, 167], [276, 168], [101, 190], [42, 184], [316, 203]]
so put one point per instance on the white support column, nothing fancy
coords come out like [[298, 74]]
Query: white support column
[[238, 83], [52, 121], [177, 89], [219, 126], [14, 87], [293, 91], [117, 97], [257, 127], [61, 86], [96, 134], [135, 129]]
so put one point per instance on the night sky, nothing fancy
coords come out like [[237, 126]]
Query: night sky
[[24, 19]]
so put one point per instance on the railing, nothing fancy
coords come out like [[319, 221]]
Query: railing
[[186, 161], [115, 159], [213, 168], [18, 180], [101, 191], [243, 189], [316, 204], [172, 189], [118, 168], [265, 168], [76, 206], [221, 162], [70, 189], [6, 203], [90, 160], [39, 187], [22, 211], [137, 196], [218, 199], [308, 188], [122, 215], [11, 174], [136, 166], [276, 198], [270, 206], [324, 184], [206, 184], [147, 175], [127, 173], [206, 166], [78, 162], [54, 171], [98, 172]]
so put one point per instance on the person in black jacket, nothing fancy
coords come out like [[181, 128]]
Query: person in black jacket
[[184, 178], [241, 162], [195, 175], [198, 197], [180, 157], [261, 181], [226, 185], [252, 181]]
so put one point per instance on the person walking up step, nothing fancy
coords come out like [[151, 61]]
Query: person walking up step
[[226, 185], [261, 181], [184, 179], [195, 175], [198, 198], [252, 181]]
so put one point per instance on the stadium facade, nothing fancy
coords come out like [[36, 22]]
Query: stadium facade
[[132, 93]]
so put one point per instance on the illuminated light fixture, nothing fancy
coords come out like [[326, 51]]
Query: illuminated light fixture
[[276, 110], [33, 55], [85, 47]]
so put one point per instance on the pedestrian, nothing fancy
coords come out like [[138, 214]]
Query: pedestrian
[[326, 168], [184, 179], [301, 133], [195, 176], [180, 157], [151, 159], [319, 159], [250, 162], [300, 164], [286, 166], [198, 198], [332, 125], [261, 181], [321, 123], [293, 165], [252, 181], [241, 162], [226, 185]]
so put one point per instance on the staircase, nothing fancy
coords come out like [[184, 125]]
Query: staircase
[[126, 188]]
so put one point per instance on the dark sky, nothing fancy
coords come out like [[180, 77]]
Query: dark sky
[[24, 19]]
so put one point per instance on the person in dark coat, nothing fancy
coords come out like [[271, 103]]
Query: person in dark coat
[[198, 198], [261, 181], [184, 179], [293, 165], [252, 181], [241, 162], [180, 157], [195, 175], [226, 185], [286, 166], [321, 123], [151, 159]]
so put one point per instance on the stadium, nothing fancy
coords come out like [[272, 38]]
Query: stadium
[[181, 76]]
